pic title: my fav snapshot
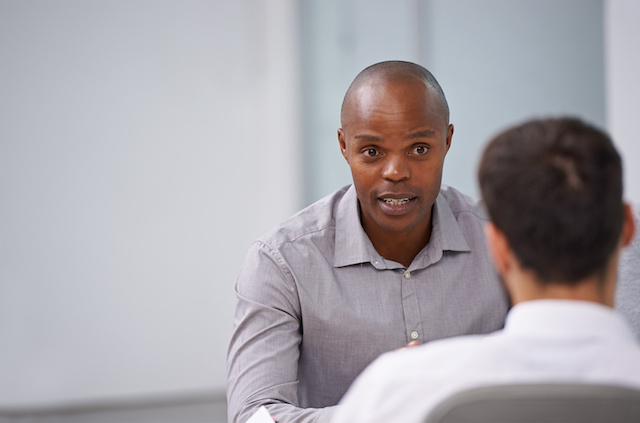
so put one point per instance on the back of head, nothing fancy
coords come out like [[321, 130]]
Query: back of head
[[397, 71], [554, 188]]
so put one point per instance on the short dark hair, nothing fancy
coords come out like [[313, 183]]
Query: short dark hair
[[399, 70], [554, 188]]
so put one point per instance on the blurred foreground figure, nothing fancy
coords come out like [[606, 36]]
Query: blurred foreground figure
[[553, 189]]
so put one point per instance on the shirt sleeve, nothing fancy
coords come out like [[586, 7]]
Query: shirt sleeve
[[262, 362]]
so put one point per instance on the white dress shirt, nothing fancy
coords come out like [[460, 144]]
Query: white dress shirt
[[543, 341]]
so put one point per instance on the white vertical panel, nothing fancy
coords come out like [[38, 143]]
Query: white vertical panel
[[283, 110], [622, 37]]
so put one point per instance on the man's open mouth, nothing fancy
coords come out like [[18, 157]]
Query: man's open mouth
[[396, 202]]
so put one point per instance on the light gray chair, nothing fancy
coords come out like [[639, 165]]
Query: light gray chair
[[540, 403]]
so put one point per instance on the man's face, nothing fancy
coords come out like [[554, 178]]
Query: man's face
[[395, 139]]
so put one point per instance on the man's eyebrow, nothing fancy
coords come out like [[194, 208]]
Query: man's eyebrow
[[368, 138], [426, 133]]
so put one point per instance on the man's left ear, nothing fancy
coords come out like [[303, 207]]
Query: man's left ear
[[343, 144], [628, 226], [449, 137]]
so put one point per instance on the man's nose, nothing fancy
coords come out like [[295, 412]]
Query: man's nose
[[396, 169]]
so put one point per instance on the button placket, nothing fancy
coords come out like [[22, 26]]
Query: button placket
[[410, 305]]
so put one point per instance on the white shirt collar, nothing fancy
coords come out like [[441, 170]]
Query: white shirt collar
[[551, 317]]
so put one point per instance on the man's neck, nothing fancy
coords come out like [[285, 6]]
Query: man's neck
[[401, 247], [593, 289]]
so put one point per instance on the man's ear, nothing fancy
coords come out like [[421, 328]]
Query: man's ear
[[628, 226], [449, 137], [343, 144], [498, 248]]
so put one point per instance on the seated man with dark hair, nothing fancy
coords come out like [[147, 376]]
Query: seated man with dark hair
[[553, 189]]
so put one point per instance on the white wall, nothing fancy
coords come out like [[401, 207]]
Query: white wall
[[622, 36], [144, 146]]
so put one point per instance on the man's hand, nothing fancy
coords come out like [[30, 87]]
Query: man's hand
[[409, 345]]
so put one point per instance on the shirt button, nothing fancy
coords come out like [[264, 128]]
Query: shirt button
[[407, 275], [414, 335]]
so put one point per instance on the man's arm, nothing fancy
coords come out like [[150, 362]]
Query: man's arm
[[262, 363]]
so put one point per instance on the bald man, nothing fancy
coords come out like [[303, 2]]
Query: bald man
[[393, 259]]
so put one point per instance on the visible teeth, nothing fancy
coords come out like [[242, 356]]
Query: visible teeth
[[394, 202]]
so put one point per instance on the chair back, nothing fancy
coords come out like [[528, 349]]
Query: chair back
[[540, 403]]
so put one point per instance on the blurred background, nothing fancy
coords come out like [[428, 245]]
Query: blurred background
[[144, 144]]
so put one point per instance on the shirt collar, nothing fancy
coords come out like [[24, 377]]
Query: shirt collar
[[352, 245], [566, 318], [446, 235]]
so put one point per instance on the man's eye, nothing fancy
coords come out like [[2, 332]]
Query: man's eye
[[421, 149], [370, 152]]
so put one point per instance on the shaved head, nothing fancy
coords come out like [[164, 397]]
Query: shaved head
[[395, 72]]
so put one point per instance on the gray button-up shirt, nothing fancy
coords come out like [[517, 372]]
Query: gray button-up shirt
[[317, 303]]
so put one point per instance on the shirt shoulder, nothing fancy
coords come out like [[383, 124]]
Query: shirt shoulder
[[316, 218], [462, 204]]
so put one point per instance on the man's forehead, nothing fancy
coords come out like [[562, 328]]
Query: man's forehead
[[391, 82], [382, 92], [396, 85]]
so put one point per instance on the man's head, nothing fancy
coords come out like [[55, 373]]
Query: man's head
[[553, 189], [395, 71], [395, 135]]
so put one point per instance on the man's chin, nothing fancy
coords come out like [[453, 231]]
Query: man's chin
[[399, 224]]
